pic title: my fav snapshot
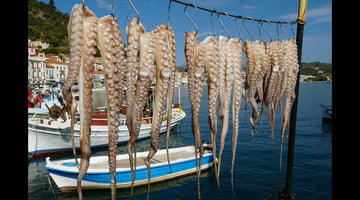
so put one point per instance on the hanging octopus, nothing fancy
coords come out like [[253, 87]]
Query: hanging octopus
[[291, 71], [227, 77], [163, 80], [212, 61], [264, 76], [146, 74], [266, 82], [172, 42], [195, 55], [75, 34], [134, 29], [255, 58], [236, 101], [82, 53], [276, 59], [111, 47]]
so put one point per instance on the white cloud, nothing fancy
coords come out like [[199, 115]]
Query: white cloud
[[104, 4], [322, 11], [248, 7], [316, 15]]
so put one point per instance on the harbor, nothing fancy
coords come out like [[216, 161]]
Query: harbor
[[257, 165], [249, 86]]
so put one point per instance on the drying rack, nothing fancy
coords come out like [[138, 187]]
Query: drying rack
[[280, 192]]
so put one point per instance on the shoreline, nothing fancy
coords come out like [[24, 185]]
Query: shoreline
[[315, 81]]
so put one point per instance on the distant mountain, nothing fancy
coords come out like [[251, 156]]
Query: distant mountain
[[45, 22]]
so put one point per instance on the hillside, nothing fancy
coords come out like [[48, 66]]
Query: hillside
[[45, 22], [317, 69]]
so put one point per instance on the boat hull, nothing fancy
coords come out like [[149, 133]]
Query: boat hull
[[46, 136], [65, 173]]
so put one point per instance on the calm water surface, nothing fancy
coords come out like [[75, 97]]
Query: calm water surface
[[257, 168]]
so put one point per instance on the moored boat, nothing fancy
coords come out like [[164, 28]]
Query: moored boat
[[182, 159], [49, 136]]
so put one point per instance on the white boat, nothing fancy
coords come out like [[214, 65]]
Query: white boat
[[182, 159], [39, 109], [49, 136]]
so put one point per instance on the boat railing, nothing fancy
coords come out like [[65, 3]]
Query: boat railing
[[174, 113], [36, 120]]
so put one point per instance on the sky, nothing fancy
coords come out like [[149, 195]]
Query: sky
[[317, 30]]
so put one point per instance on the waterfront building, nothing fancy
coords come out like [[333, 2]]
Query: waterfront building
[[36, 69], [40, 44], [60, 69]]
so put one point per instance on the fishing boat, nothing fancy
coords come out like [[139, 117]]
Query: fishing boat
[[46, 135], [326, 113], [38, 102], [182, 159]]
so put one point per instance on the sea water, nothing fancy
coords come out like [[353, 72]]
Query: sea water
[[256, 170]]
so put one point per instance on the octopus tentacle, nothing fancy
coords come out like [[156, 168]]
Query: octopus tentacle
[[195, 55], [111, 47], [236, 103], [249, 52], [291, 71], [172, 47], [266, 72], [85, 91], [163, 74], [256, 52], [276, 61], [146, 72], [134, 29], [224, 109], [222, 67], [75, 34], [212, 61], [279, 82], [72, 124]]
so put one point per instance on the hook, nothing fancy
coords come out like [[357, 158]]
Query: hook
[[277, 30], [227, 32], [191, 19], [137, 13], [284, 31], [212, 23], [262, 25], [113, 8], [260, 31], [237, 26], [168, 19], [247, 28], [292, 30]]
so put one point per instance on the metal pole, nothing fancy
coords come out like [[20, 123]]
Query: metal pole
[[292, 127]]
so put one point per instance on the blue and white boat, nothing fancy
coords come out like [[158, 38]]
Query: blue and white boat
[[182, 159]]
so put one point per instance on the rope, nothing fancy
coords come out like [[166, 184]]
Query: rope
[[51, 188]]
